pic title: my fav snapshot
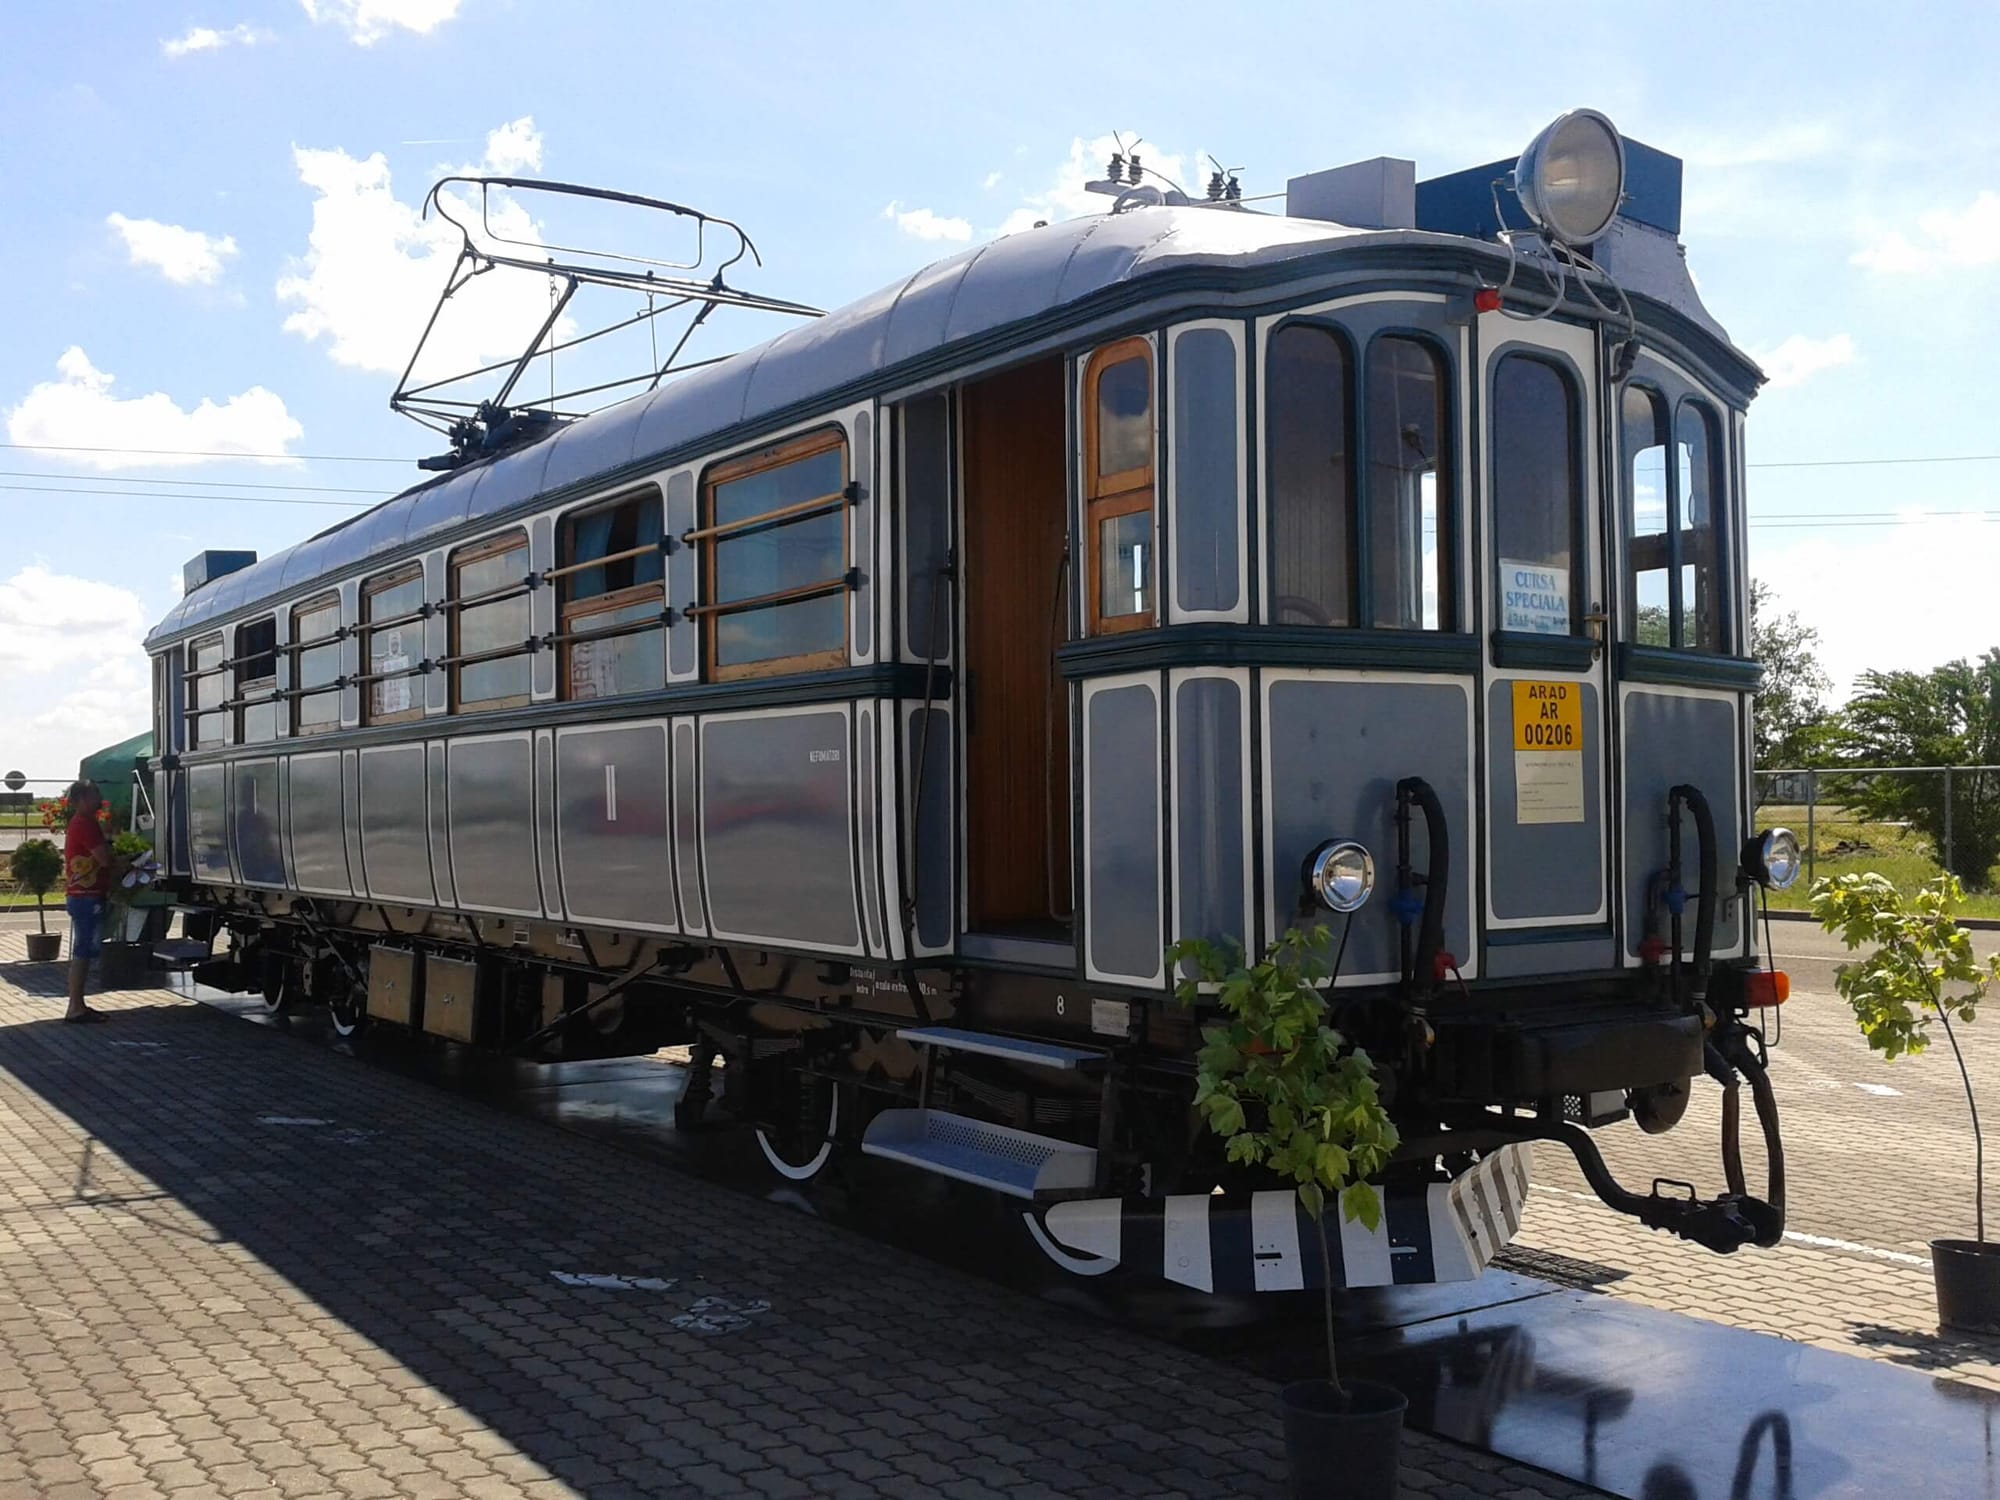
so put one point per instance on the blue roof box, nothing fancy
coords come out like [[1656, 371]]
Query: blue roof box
[[205, 567]]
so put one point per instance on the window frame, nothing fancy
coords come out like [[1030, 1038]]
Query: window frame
[[499, 544], [568, 569], [365, 628], [193, 674], [295, 651], [710, 537], [263, 688], [1109, 497], [1718, 501], [1663, 439], [1351, 351], [1361, 404], [1574, 386]]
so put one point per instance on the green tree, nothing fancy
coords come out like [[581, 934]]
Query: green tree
[[1948, 716], [1793, 727]]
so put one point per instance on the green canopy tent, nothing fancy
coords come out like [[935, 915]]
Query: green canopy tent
[[112, 767]]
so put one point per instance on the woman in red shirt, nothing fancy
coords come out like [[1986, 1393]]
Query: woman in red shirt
[[87, 875]]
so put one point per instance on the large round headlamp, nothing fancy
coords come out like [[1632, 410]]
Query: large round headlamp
[[1773, 859], [1571, 178], [1340, 874]]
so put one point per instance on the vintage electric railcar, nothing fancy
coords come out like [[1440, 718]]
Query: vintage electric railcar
[[872, 708]]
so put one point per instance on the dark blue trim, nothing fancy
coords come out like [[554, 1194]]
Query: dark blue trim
[[1226, 645], [1566, 653], [1529, 937], [1688, 669]]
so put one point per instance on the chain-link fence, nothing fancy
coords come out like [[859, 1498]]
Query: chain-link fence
[[1908, 822]]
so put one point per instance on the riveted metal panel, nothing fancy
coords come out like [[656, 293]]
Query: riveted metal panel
[[315, 810], [1211, 809], [777, 812], [687, 828], [1552, 870], [1334, 749], [1672, 738], [683, 582], [613, 825], [1122, 858], [208, 822], [490, 781], [393, 980], [440, 822], [395, 825], [451, 998], [867, 819]]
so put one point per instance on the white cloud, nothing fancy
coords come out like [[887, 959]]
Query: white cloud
[[373, 266], [208, 39], [183, 256], [1816, 576], [992, 181], [368, 21], [72, 672], [926, 225], [1946, 238], [1774, 145], [80, 411], [1799, 358], [50, 620], [1065, 198]]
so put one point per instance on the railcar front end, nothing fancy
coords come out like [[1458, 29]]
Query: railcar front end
[[871, 711]]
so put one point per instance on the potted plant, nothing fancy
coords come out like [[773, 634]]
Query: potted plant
[[36, 865], [1287, 1093], [1919, 952], [122, 959]]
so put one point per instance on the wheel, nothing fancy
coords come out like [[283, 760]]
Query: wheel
[[281, 985], [800, 1150], [347, 1007]]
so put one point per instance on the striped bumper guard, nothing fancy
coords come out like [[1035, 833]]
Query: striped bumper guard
[[1443, 1231]]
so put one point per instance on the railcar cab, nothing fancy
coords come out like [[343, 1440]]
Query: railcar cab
[[874, 709]]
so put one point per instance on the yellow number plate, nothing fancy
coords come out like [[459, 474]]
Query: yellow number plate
[[1548, 716]]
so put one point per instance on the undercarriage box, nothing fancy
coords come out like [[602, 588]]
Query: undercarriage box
[[1481, 1061]]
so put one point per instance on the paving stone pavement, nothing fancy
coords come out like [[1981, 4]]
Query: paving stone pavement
[[235, 1264]]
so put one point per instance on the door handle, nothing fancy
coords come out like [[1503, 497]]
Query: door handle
[[1596, 623]]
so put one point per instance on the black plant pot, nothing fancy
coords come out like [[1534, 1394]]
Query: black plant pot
[[44, 947], [1968, 1283], [122, 966], [1350, 1451]]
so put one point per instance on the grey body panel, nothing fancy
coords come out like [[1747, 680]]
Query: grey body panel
[[1212, 883], [208, 822], [1672, 739], [862, 601], [1336, 749], [687, 829], [929, 837], [683, 581], [395, 825], [440, 824], [868, 821], [1552, 870], [777, 828], [491, 784], [926, 511], [317, 811], [545, 823], [614, 826], [1122, 862], [1569, 956]]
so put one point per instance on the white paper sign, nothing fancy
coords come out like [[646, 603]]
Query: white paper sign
[[392, 695], [1534, 597], [1548, 786]]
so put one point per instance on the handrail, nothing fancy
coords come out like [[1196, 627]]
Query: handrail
[[780, 596], [600, 562], [794, 511]]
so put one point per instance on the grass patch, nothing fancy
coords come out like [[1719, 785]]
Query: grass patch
[[1844, 843]]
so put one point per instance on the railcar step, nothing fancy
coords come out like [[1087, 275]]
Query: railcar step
[[180, 953], [1014, 1049], [1009, 1161]]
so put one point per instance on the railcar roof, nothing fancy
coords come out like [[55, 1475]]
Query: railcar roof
[[1010, 280]]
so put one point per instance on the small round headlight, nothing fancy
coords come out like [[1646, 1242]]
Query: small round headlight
[[1340, 874], [1773, 858], [1571, 178]]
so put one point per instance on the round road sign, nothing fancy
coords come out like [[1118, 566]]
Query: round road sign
[[15, 781]]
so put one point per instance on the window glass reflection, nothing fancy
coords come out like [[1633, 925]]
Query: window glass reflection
[[1536, 495], [1311, 508]]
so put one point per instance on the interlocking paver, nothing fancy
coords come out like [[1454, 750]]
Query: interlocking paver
[[192, 1302]]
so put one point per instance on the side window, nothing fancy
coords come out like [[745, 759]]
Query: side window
[[490, 621], [1648, 615], [1309, 430], [207, 683], [315, 652], [611, 594], [1537, 496], [1411, 549], [1207, 467], [392, 645], [1698, 466], [1118, 485], [775, 534], [257, 681]]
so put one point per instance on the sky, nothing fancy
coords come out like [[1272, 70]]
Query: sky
[[214, 246]]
